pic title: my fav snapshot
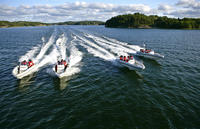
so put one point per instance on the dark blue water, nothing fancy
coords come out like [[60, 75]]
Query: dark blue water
[[102, 95]]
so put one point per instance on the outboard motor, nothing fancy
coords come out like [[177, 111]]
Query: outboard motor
[[22, 68], [60, 68]]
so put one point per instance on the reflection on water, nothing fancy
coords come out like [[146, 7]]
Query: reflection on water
[[131, 73], [61, 83], [25, 82], [148, 60], [163, 95]]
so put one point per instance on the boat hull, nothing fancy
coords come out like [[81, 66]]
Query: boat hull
[[132, 66], [149, 55], [59, 74], [25, 73]]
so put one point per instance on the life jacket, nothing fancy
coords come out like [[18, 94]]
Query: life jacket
[[142, 50], [131, 57], [120, 58], [147, 51], [65, 63], [24, 63], [30, 63], [125, 58]]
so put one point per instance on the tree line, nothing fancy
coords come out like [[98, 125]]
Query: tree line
[[138, 20], [26, 23], [80, 23], [20, 23]]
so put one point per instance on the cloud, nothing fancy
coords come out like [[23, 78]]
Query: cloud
[[165, 7], [69, 11], [76, 11], [187, 8], [185, 13], [185, 2], [189, 4]]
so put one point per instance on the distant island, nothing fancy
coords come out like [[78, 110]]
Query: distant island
[[138, 20], [5, 24], [80, 23]]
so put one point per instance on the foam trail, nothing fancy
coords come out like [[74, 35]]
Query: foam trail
[[43, 39], [74, 62], [49, 59], [115, 41], [94, 52], [75, 56], [108, 55], [117, 49], [30, 54], [100, 54], [90, 49], [134, 47], [45, 48], [61, 45]]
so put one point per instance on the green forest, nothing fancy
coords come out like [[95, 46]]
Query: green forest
[[80, 23], [20, 23], [138, 20], [5, 24]]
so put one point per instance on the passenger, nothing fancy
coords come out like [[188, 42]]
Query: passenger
[[147, 51], [121, 57], [124, 58], [131, 57], [24, 62], [30, 63], [62, 62]]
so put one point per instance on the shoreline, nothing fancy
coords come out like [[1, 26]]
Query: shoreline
[[154, 28]]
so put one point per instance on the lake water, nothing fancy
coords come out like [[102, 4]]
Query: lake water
[[97, 93]]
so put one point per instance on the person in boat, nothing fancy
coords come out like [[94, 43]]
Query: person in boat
[[30, 63], [131, 57], [127, 59], [59, 63], [142, 50], [65, 64], [147, 50], [121, 57], [124, 58], [62, 62], [24, 62]]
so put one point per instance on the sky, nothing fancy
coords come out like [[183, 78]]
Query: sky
[[51, 11]]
